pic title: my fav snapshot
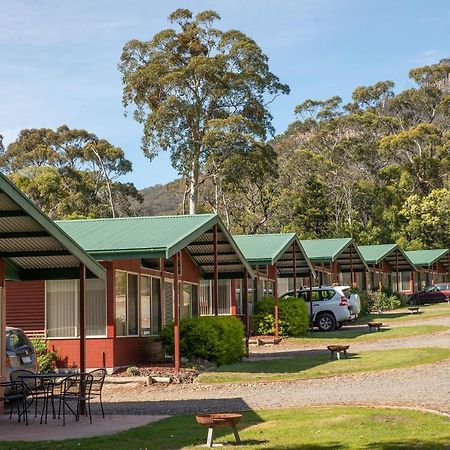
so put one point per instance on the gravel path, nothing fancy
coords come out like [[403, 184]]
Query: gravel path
[[426, 386]]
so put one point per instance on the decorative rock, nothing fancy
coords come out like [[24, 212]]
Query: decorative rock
[[161, 379]]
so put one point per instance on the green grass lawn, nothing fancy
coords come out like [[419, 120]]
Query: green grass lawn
[[348, 335], [403, 315], [318, 365], [295, 429]]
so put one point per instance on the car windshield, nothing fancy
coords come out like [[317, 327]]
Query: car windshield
[[16, 339]]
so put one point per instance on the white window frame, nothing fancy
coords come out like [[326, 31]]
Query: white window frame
[[76, 299], [126, 304]]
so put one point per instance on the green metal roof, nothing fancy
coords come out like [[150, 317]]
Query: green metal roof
[[373, 254], [340, 250], [426, 258], [319, 250], [391, 253], [262, 249], [158, 237], [32, 246]]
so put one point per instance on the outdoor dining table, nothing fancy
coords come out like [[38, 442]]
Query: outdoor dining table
[[47, 382]]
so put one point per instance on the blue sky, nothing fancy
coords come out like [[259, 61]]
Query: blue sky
[[58, 59]]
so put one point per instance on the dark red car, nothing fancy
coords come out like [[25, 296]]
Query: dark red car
[[439, 292]]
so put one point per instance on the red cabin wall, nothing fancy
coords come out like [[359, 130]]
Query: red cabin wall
[[25, 308], [25, 305]]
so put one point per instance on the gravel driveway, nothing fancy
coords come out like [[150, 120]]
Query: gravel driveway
[[426, 386]]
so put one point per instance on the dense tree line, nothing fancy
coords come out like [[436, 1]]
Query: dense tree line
[[69, 173], [376, 168]]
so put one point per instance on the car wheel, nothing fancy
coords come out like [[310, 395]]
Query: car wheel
[[326, 322]]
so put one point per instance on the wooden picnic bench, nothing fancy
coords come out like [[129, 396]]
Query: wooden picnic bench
[[376, 325], [337, 349], [414, 309]]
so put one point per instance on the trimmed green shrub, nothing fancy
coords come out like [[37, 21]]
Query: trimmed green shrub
[[293, 318], [216, 339], [383, 302], [46, 359]]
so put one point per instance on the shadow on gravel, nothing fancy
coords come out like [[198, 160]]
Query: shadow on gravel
[[295, 363], [348, 333], [175, 407]]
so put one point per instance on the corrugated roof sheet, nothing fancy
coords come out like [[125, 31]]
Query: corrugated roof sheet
[[159, 237], [153, 234], [425, 258], [373, 254], [263, 248], [31, 243], [324, 249]]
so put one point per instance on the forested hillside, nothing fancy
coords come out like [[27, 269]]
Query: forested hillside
[[376, 168]]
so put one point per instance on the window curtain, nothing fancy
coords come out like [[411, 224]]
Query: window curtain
[[146, 305], [96, 307], [132, 304], [62, 308], [121, 304], [156, 306]]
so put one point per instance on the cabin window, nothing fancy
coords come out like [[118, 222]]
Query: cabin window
[[206, 295], [150, 305], [126, 304], [62, 308]]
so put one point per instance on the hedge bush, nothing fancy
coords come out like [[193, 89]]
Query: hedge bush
[[384, 300], [293, 317], [216, 339]]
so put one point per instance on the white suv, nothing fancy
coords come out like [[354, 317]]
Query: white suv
[[331, 306]]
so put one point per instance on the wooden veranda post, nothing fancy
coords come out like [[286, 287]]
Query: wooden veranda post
[[275, 294], [396, 269], [352, 281], [309, 294], [448, 266], [245, 302], [176, 314], [216, 274], [82, 310], [294, 265]]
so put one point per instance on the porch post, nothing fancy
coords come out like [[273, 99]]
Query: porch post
[[275, 294], [82, 310], [216, 275], [309, 294], [352, 281], [2, 328], [411, 281], [380, 276], [294, 265], [396, 269], [176, 314], [245, 301], [448, 267], [365, 280]]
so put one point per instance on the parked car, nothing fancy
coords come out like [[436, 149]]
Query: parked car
[[332, 306], [20, 352], [439, 292]]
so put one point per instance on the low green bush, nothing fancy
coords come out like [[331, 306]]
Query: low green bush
[[46, 359], [293, 318], [384, 302], [216, 339]]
